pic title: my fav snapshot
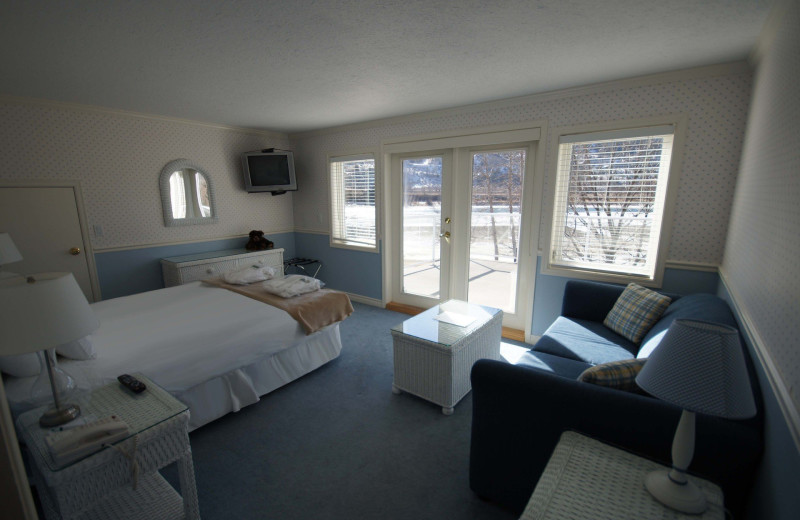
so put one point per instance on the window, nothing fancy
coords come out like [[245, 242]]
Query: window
[[353, 201], [609, 202]]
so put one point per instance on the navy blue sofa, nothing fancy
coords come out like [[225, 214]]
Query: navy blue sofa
[[520, 410]]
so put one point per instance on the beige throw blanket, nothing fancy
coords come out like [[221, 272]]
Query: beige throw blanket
[[313, 310]]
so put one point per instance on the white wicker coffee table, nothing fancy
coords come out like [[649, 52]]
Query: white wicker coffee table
[[586, 478], [101, 485], [433, 359]]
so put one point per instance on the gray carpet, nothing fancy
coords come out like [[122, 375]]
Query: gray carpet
[[337, 444]]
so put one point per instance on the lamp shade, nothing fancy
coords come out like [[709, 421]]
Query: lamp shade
[[8, 251], [700, 367], [41, 312]]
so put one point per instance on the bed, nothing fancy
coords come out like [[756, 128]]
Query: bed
[[215, 350]]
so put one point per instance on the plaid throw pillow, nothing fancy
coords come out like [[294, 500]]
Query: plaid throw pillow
[[616, 374], [637, 309]]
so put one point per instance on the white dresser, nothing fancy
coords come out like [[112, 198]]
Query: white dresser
[[178, 270]]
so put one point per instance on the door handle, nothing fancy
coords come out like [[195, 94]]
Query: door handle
[[75, 251], [446, 235]]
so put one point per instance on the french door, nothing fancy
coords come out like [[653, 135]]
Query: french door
[[459, 227]]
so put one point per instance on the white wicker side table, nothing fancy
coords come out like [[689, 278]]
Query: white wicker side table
[[101, 485], [586, 478], [433, 359]]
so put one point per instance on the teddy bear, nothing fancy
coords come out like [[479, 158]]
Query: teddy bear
[[258, 241]]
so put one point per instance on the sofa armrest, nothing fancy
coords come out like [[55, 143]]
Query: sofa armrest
[[589, 300], [519, 414]]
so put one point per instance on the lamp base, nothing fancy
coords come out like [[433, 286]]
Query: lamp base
[[686, 498], [58, 416]]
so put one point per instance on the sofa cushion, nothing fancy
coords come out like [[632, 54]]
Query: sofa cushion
[[699, 307], [555, 364], [583, 340], [637, 309], [616, 374]]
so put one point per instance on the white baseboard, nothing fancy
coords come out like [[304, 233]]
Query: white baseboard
[[366, 300], [531, 339]]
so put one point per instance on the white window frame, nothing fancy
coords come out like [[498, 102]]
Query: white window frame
[[558, 207], [335, 201]]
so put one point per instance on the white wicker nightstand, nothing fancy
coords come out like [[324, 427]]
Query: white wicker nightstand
[[100, 486], [586, 478], [433, 359]]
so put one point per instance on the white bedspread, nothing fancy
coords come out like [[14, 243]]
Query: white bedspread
[[179, 337], [186, 334]]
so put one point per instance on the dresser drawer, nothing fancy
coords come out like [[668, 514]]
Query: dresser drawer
[[193, 273]]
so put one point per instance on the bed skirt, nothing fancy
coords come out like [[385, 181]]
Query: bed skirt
[[238, 388]]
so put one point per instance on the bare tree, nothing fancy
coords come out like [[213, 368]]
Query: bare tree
[[487, 173], [510, 185], [611, 195]]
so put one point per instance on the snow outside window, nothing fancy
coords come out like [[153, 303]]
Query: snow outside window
[[610, 200], [353, 201]]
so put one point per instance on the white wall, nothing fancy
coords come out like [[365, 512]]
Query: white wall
[[762, 256], [715, 100], [117, 157]]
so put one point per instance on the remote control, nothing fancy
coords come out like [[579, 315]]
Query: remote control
[[133, 384]]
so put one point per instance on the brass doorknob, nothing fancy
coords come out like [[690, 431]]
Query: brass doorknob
[[446, 234], [75, 251]]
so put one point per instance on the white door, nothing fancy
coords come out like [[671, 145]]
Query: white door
[[489, 250], [422, 194], [460, 227], [45, 226]]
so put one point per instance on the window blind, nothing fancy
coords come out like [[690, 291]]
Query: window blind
[[609, 200], [353, 200]]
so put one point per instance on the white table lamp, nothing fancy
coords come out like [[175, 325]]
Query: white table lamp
[[39, 312], [700, 367], [8, 254]]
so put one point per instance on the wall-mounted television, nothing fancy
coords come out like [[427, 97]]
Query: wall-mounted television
[[269, 170]]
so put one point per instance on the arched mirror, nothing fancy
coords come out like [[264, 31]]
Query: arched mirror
[[187, 194]]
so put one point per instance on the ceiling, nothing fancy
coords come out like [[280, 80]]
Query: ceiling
[[306, 64]]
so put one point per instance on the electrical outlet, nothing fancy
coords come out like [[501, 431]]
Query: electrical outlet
[[98, 230]]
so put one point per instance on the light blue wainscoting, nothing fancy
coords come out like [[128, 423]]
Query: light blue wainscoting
[[777, 481], [132, 271], [550, 291], [355, 272]]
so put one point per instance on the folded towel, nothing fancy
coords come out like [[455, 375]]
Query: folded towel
[[249, 274], [292, 285]]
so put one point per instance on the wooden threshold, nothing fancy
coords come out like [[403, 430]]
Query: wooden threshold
[[514, 334], [402, 307], [508, 333]]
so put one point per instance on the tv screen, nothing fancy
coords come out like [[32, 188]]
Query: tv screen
[[269, 171]]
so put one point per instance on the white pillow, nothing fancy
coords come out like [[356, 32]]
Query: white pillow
[[249, 274], [292, 285], [21, 365], [79, 349]]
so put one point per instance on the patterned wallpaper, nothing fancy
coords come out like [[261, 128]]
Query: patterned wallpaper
[[717, 111], [118, 158], [761, 258]]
